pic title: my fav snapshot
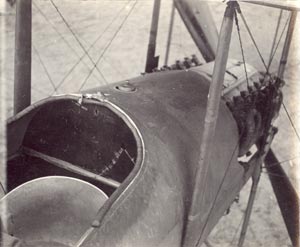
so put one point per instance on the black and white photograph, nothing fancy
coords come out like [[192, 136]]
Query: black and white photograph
[[149, 123]]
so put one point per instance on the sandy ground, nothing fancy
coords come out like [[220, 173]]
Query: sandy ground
[[119, 49]]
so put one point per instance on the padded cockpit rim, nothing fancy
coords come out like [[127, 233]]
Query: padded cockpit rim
[[121, 191]]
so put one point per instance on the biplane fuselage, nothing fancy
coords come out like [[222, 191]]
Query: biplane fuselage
[[158, 120], [138, 141]]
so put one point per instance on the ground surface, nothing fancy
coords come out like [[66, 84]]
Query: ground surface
[[115, 33]]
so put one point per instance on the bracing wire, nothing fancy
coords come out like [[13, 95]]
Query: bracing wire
[[271, 58], [280, 176], [54, 28], [44, 67], [219, 188], [110, 64], [267, 71], [238, 227], [241, 45], [2, 188], [275, 37], [253, 40], [108, 45], [281, 162], [237, 145], [59, 34], [78, 41], [281, 35], [267, 68], [236, 231], [290, 119], [92, 45]]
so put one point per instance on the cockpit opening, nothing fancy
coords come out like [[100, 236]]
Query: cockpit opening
[[89, 141]]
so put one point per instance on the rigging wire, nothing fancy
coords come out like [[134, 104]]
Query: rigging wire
[[220, 187], [267, 71], [290, 119], [77, 39], [280, 176], [108, 63], [275, 38], [239, 225], [237, 145], [281, 35], [99, 37], [44, 67], [241, 45], [252, 38], [108, 45], [267, 68], [60, 35], [2, 188], [281, 162], [236, 231]]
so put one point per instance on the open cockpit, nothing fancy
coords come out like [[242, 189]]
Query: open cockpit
[[90, 141], [66, 156]]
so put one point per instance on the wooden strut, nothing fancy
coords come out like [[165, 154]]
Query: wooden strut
[[70, 167], [262, 152], [152, 61], [275, 38], [287, 44], [191, 238], [170, 34], [22, 81], [270, 157], [255, 180]]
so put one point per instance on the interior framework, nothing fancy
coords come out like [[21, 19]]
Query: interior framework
[[89, 141]]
